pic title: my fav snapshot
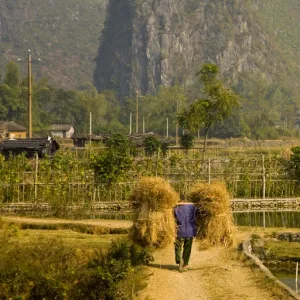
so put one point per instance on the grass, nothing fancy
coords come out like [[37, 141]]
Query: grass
[[53, 224], [64, 264], [264, 281], [284, 251], [70, 238]]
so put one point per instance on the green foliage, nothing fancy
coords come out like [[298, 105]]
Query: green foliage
[[39, 271], [222, 100], [155, 109], [70, 29], [61, 28], [218, 105], [49, 268], [12, 76], [118, 143], [187, 141], [295, 163], [112, 268], [164, 148], [257, 117], [255, 237], [113, 165], [152, 145]]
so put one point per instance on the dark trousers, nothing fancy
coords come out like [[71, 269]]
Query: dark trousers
[[187, 248]]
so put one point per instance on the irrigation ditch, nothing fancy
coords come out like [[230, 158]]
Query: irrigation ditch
[[279, 280]]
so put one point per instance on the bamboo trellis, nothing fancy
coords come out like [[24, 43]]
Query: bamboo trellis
[[257, 177]]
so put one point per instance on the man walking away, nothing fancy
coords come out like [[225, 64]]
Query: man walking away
[[185, 215]]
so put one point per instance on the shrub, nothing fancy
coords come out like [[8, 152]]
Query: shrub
[[295, 163], [113, 165], [152, 145], [49, 269], [108, 272], [187, 141]]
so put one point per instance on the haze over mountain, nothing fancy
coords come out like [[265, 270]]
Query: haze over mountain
[[137, 45]]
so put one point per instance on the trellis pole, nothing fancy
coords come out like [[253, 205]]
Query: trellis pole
[[209, 174], [297, 267], [264, 187], [36, 175]]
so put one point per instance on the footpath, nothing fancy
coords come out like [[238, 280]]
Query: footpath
[[214, 274]]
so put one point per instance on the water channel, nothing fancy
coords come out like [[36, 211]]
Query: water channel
[[286, 219], [285, 272]]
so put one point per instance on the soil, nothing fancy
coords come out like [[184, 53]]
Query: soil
[[215, 274]]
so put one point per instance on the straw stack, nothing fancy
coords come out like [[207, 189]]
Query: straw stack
[[153, 200], [215, 222]]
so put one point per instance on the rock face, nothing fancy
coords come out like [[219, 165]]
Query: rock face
[[63, 34], [147, 43], [159, 42]]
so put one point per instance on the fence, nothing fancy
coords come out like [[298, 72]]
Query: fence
[[70, 181]]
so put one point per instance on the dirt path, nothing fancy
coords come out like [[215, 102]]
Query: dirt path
[[216, 274]]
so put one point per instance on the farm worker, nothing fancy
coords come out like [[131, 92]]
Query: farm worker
[[185, 215]]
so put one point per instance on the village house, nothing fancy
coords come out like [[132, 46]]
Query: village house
[[11, 130], [79, 139], [62, 130]]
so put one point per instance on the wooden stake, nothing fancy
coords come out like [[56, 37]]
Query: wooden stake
[[297, 267], [209, 179], [264, 188], [36, 176]]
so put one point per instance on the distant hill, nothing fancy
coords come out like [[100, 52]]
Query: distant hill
[[64, 34], [147, 43], [167, 41]]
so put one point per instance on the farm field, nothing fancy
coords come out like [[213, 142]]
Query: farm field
[[51, 259], [215, 274], [73, 185], [65, 221]]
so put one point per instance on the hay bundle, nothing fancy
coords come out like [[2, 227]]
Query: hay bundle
[[215, 222], [153, 200]]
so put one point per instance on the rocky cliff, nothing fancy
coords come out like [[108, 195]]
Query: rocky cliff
[[159, 42], [63, 34], [147, 43]]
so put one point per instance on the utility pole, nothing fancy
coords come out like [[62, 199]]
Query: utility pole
[[167, 127], [143, 125], [130, 124], [29, 97], [137, 113]]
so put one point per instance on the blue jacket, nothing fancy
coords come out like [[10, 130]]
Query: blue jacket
[[185, 215]]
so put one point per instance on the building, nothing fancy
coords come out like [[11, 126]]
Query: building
[[40, 146], [79, 140], [62, 131], [11, 130]]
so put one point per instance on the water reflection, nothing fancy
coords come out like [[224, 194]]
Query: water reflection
[[288, 219], [288, 277]]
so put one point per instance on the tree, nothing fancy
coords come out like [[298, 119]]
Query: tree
[[114, 164], [12, 76], [187, 141], [217, 106], [155, 109], [11, 105], [152, 145]]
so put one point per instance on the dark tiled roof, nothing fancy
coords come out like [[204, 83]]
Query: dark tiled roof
[[86, 136], [60, 127], [11, 126]]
